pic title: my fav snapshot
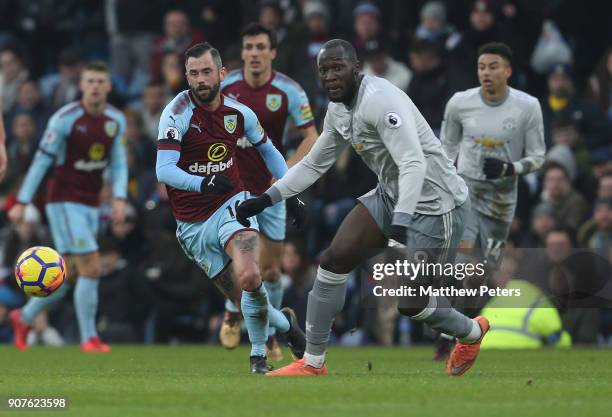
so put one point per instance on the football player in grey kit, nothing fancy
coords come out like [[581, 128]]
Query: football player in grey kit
[[420, 201], [496, 133]]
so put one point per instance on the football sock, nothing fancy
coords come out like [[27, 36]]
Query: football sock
[[275, 296], [255, 312], [86, 306], [441, 316], [325, 300], [37, 304], [231, 307]]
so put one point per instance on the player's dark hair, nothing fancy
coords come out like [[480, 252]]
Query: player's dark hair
[[98, 66], [254, 29], [347, 47], [496, 48], [200, 49]]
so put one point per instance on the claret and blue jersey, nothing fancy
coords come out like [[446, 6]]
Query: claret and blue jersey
[[80, 146], [195, 143]]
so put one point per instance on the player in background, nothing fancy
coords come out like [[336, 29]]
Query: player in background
[[3, 157], [495, 133], [196, 159], [420, 202], [275, 98], [82, 139]]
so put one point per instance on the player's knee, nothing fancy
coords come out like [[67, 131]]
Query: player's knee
[[249, 278], [336, 261], [270, 273]]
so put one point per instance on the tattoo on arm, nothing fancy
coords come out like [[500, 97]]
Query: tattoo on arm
[[245, 242]]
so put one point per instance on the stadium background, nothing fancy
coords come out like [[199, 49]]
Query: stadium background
[[150, 292]]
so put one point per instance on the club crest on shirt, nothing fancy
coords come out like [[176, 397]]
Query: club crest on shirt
[[97, 151], [273, 102], [509, 124], [230, 122], [110, 127]]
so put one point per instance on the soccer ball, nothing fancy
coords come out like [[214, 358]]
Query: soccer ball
[[40, 271]]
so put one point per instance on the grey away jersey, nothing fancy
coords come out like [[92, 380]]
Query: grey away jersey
[[511, 131], [391, 136]]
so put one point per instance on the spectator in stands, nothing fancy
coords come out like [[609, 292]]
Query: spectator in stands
[[13, 74], [141, 159], [63, 87], [604, 189], [542, 222], [596, 233], [569, 206], [462, 47], [366, 26], [565, 132], [433, 26], [430, 87], [291, 41], [300, 274], [29, 100], [177, 38], [131, 26], [600, 84], [153, 99], [172, 74], [24, 143], [562, 100], [377, 61]]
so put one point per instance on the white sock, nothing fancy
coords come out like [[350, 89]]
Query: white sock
[[316, 361], [474, 334]]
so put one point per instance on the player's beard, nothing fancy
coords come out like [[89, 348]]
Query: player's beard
[[208, 97]]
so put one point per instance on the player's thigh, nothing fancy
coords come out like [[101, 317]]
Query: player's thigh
[[356, 238], [270, 255], [74, 227], [272, 222]]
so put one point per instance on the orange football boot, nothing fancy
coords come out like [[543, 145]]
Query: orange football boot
[[299, 368], [464, 355], [20, 330], [95, 345]]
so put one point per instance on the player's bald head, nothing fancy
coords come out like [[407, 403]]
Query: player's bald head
[[338, 49]]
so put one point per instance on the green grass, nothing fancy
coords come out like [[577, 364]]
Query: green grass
[[209, 381]]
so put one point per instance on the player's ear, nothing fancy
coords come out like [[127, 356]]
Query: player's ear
[[509, 71], [273, 53], [357, 67], [222, 73]]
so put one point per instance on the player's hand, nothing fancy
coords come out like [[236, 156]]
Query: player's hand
[[297, 211], [496, 168], [252, 207], [399, 235], [16, 212], [3, 162], [216, 184], [118, 210]]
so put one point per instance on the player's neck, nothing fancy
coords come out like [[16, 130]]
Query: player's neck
[[257, 80], [94, 109], [210, 106], [495, 96]]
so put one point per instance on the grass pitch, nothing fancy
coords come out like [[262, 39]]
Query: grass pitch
[[209, 381]]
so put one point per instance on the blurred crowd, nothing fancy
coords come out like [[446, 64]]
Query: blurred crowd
[[150, 291]]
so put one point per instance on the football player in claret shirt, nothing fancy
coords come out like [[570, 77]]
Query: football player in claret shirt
[[82, 140], [196, 159], [275, 98]]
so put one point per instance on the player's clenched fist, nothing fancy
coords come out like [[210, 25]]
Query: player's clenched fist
[[252, 207], [216, 184]]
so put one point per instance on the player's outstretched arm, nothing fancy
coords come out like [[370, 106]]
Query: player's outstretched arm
[[273, 158], [309, 136]]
